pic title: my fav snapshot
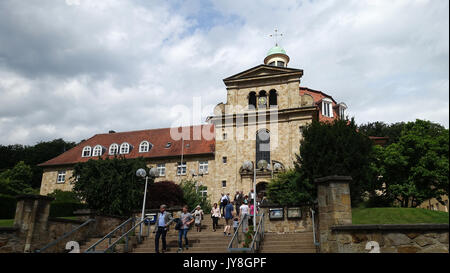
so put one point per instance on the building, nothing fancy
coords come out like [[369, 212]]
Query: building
[[260, 124]]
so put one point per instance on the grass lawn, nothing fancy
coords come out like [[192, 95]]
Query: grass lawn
[[397, 216], [6, 222]]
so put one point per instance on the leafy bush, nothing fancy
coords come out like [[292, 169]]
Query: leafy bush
[[192, 196], [164, 192], [64, 209], [110, 186], [65, 196], [287, 189], [7, 206]]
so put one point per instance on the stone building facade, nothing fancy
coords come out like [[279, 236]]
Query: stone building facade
[[260, 125]]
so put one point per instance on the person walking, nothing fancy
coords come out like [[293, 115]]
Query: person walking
[[238, 198], [198, 215], [163, 220], [252, 214], [223, 204], [215, 215], [251, 196], [228, 216], [186, 220], [244, 211]]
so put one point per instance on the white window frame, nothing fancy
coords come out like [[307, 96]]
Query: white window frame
[[86, 149], [203, 167], [124, 148], [204, 193], [181, 168], [342, 108], [145, 146], [113, 149], [61, 177], [327, 108], [161, 169], [97, 151]]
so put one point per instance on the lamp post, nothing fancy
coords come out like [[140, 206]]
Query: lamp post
[[142, 173]]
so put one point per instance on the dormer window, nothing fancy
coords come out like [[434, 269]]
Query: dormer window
[[124, 148], [98, 151], [341, 108], [86, 151], [168, 145], [113, 149], [144, 147], [327, 109]]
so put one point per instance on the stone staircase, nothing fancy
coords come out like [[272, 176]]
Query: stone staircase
[[288, 243], [206, 241]]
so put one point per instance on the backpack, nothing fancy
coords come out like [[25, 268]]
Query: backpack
[[178, 224]]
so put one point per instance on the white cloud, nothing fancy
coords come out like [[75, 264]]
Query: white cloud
[[76, 68]]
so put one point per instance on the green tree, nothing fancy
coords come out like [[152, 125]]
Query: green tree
[[336, 148], [192, 196], [416, 167], [110, 186], [17, 180], [286, 188], [65, 196]]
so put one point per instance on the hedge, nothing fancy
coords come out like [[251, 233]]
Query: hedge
[[7, 206], [64, 209]]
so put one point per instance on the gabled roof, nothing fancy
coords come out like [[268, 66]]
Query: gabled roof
[[317, 95], [157, 137], [263, 71]]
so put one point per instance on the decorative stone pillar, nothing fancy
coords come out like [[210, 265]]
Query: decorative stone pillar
[[31, 217], [334, 206]]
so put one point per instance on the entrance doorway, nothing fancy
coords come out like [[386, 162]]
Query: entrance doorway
[[261, 188]]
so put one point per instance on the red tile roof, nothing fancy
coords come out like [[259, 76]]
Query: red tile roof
[[318, 96], [157, 137]]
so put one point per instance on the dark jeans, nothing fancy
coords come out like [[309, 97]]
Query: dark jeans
[[237, 209], [221, 208], [182, 233], [215, 222], [160, 232]]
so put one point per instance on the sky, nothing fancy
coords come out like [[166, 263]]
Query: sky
[[74, 68]]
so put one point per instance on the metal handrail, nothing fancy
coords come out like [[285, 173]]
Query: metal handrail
[[65, 235], [112, 246], [92, 247], [230, 248], [316, 243], [260, 225]]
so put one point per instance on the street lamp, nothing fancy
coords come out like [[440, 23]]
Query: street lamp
[[143, 174]]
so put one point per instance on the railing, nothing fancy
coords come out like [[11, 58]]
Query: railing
[[111, 235], [111, 248], [314, 228], [259, 235], [237, 241], [65, 235]]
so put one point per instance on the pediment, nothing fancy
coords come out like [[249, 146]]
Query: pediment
[[263, 71]]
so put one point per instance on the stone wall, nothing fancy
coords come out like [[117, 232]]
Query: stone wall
[[418, 238], [304, 224], [10, 240]]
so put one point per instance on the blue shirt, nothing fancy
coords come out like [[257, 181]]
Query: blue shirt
[[229, 211], [162, 220]]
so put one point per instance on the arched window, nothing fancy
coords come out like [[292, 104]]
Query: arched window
[[86, 151], [113, 149], [98, 151], [262, 100], [124, 148], [252, 101], [273, 98], [145, 146], [263, 146]]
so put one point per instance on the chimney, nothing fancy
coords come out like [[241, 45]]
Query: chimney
[[112, 132]]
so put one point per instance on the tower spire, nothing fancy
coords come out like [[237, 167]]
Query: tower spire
[[275, 35]]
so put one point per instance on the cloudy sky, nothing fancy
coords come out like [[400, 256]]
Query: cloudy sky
[[74, 68]]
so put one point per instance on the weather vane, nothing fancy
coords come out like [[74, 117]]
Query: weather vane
[[276, 35]]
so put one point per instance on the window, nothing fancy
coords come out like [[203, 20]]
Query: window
[[113, 149], [181, 168], [272, 63], [327, 109], [280, 63], [168, 145], [124, 148], [61, 177], [161, 169], [86, 151], [203, 191], [144, 147], [262, 100], [224, 160], [224, 183], [342, 108], [98, 151], [203, 167], [252, 101], [224, 136], [263, 146], [272, 98]]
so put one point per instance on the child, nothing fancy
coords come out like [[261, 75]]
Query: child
[[235, 223]]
